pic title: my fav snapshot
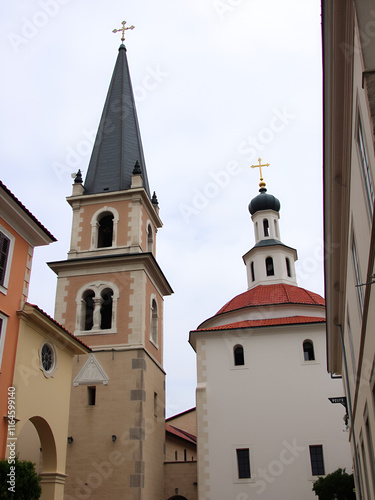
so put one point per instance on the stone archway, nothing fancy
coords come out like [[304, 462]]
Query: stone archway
[[177, 497]]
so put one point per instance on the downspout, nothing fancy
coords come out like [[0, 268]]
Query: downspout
[[349, 408]]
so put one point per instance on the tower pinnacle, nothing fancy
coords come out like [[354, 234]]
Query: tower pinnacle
[[118, 144], [123, 29], [262, 184]]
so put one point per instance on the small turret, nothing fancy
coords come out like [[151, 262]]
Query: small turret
[[269, 261]]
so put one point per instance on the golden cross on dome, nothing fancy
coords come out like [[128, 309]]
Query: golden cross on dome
[[262, 184], [123, 29]]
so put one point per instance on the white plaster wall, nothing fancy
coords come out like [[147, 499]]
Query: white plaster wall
[[276, 405]]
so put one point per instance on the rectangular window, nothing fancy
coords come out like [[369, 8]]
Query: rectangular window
[[370, 446], [243, 463], [365, 168], [3, 327], [91, 392], [155, 404], [317, 462], [4, 253], [364, 468], [351, 346], [357, 276]]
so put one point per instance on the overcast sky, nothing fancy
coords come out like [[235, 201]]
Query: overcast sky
[[218, 84]]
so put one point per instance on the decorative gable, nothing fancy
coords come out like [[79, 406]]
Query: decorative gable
[[91, 373]]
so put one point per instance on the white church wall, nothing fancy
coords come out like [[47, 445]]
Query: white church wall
[[276, 405]]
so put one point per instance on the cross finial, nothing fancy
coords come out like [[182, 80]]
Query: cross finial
[[262, 184], [123, 29]]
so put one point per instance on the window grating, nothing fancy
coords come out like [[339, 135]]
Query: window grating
[[243, 462], [316, 457]]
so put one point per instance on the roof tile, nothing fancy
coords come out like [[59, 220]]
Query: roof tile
[[264, 295], [291, 320]]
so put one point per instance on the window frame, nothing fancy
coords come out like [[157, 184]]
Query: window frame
[[288, 267], [235, 464], [99, 214], [5, 285], [308, 341], [154, 322], [97, 287], [51, 371], [252, 271], [366, 175], [3, 330], [357, 275], [266, 228], [270, 259], [315, 447], [150, 238], [91, 395], [235, 364], [101, 239]]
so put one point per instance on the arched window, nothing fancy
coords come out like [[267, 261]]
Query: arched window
[[288, 272], [96, 308], [266, 227], [150, 238], [105, 231], [88, 301], [239, 358], [308, 350], [269, 267], [106, 309], [252, 271], [154, 321]]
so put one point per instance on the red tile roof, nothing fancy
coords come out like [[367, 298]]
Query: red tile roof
[[181, 433], [264, 295], [292, 320], [60, 326], [27, 212]]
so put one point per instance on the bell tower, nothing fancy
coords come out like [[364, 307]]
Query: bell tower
[[269, 261], [110, 294]]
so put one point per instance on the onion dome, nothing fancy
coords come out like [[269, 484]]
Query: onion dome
[[264, 201]]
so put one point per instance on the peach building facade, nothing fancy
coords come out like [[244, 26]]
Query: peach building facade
[[36, 357]]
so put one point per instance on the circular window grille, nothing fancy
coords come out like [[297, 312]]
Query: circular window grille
[[48, 357]]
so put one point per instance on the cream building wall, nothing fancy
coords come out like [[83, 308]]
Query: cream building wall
[[129, 405], [43, 398], [349, 111]]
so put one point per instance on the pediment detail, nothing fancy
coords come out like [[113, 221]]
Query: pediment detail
[[91, 373]]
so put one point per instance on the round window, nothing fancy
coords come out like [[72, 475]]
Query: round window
[[48, 357]]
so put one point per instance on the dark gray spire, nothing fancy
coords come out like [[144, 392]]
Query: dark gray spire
[[118, 143]]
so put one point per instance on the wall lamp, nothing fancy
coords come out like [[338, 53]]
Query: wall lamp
[[114, 437], [70, 439]]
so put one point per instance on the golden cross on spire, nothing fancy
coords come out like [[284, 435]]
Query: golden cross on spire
[[123, 29], [262, 184]]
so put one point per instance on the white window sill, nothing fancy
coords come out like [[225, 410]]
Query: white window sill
[[82, 333]]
